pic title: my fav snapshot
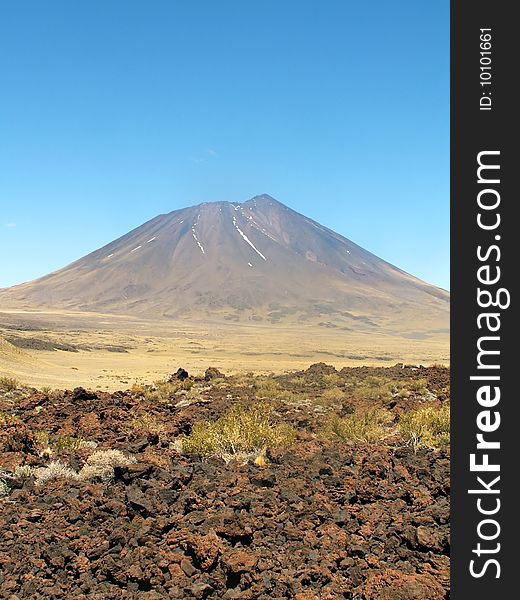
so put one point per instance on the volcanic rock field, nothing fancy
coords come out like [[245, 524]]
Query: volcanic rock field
[[317, 484]]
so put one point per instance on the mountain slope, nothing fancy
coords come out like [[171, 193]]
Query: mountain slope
[[256, 260]]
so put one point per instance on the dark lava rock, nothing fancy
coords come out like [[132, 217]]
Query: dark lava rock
[[180, 375], [264, 480], [80, 393]]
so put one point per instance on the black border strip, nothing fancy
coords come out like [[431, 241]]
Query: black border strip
[[483, 120]]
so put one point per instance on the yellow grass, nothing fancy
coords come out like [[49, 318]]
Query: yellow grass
[[429, 427], [370, 427], [239, 430]]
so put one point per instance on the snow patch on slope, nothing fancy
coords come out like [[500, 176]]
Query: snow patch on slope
[[245, 238]]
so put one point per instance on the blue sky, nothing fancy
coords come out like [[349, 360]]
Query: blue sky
[[113, 111]]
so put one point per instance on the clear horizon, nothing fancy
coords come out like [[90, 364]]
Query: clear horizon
[[114, 112]]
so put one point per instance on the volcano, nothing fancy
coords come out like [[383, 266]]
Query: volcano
[[258, 260]]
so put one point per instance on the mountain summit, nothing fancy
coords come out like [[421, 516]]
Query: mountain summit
[[258, 260]]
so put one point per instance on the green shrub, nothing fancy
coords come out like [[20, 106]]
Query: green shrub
[[369, 427], [239, 430], [164, 391], [138, 390], [160, 391], [428, 427]]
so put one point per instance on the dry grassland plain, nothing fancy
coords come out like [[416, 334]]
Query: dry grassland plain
[[108, 352]]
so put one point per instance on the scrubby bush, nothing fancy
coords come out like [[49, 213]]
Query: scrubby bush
[[429, 427], [268, 389], [239, 430], [369, 427], [100, 465]]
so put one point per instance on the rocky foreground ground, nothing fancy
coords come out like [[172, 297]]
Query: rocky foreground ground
[[321, 516]]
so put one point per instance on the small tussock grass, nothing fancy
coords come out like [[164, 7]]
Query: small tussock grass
[[160, 391], [240, 430], [372, 388], [379, 388], [242, 379], [41, 438], [417, 386], [333, 394], [146, 423], [9, 384], [289, 397], [370, 427], [267, 388], [298, 380], [427, 427], [333, 379], [54, 470]]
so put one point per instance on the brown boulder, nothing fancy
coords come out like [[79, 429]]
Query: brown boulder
[[213, 373]]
